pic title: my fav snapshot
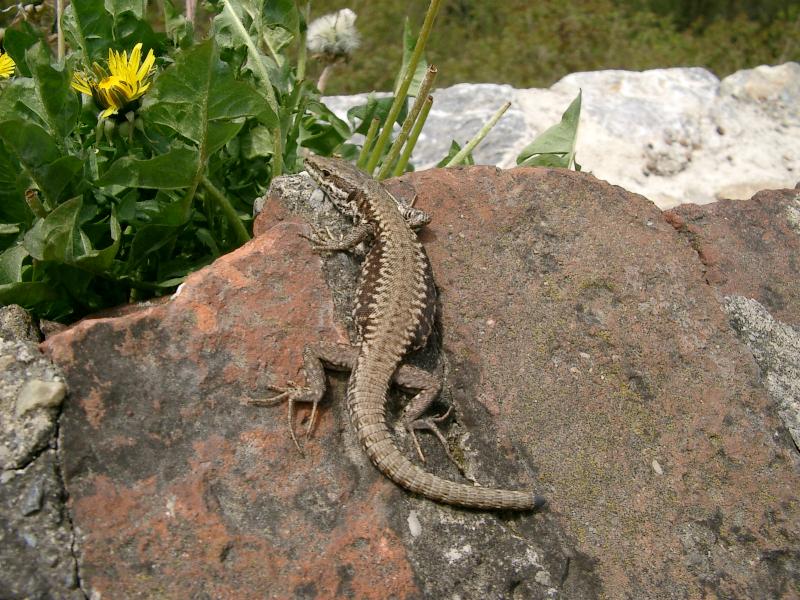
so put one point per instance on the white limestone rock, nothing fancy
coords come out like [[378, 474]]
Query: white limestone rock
[[673, 135]]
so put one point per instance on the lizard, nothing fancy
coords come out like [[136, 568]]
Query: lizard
[[394, 314]]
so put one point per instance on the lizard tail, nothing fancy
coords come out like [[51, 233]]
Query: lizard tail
[[369, 420]]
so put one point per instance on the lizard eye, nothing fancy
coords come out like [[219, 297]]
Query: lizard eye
[[326, 173]]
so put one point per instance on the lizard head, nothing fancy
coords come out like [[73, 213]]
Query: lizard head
[[336, 177]]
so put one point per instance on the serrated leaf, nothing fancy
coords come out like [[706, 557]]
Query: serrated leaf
[[43, 163], [173, 170], [89, 26], [58, 100], [199, 98], [53, 238], [556, 146]]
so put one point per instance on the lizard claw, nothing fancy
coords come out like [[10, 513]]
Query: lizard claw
[[431, 425], [289, 394], [322, 240]]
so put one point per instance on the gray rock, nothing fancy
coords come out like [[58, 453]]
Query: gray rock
[[36, 538], [776, 348], [31, 389], [672, 135]]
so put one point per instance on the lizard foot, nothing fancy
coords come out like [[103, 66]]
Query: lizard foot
[[290, 394], [430, 424]]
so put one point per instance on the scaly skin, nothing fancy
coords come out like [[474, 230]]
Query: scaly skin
[[394, 312]]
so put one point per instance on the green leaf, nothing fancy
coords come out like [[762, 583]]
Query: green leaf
[[240, 25], [59, 238], [455, 148], [20, 100], [53, 238], [283, 13], [258, 142], [374, 107], [13, 208], [100, 261], [556, 146], [28, 294], [16, 42], [42, 161], [60, 103], [321, 130], [172, 170], [117, 7], [199, 98], [88, 26], [11, 261], [148, 240]]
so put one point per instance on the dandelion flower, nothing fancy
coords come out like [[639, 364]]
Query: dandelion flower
[[120, 90], [7, 66], [333, 36]]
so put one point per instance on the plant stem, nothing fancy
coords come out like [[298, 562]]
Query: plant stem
[[277, 153], [227, 208], [362, 156], [60, 31], [400, 97], [400, 167], [411, 117], [478, 136], [323, 78]]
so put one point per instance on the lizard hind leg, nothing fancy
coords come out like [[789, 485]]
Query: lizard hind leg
[[428, 386]]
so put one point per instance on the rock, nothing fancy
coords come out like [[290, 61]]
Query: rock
[[30, 392], [36, 393], [776, 348], [672, 135], [749, 248], [35, 532], [17, 324], [582, 346]]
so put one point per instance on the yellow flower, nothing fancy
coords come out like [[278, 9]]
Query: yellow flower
[[128, 81], [7, 66]]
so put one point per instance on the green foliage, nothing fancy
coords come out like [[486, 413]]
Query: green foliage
[[555, 147], [96, 212]]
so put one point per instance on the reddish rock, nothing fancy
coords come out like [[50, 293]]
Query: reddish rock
[[584, 354], [749, 248]]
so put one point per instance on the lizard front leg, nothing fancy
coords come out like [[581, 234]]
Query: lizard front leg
[[339, 357]]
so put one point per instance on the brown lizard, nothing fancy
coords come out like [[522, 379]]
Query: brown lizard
[[394, 314]]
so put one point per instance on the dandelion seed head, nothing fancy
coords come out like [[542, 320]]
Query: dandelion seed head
[[333, 36]]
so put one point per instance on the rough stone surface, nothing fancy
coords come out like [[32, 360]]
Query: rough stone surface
[[585, 355], [749, 248], [36, 558], [776, 347], [28, 408], [672, 135], [35, 534]]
